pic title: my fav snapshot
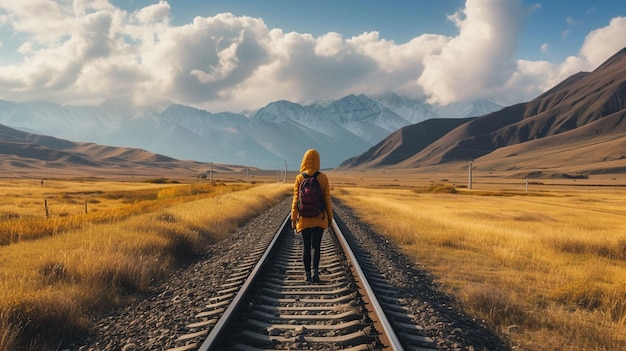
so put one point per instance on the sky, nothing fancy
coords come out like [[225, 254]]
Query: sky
[[238, 55]]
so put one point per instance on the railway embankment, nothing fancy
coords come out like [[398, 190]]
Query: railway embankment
[[155, 320]]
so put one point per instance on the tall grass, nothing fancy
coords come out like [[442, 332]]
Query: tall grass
[[547, 268], [8, 330], [66, 213], [51, 286]]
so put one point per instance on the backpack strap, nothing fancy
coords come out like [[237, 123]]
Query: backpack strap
[[306, 175]]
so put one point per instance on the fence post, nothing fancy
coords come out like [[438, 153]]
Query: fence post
[[85, 206], [45, 204]]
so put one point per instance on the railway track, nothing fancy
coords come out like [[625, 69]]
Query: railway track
[[266, 304]]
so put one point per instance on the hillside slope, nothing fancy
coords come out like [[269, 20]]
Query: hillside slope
[[37, 156], [581, 122], [404, 143]]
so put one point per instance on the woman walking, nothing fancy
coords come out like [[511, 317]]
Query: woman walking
[[311, 223]]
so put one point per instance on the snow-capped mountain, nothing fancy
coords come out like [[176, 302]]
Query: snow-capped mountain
[[275, 134], [412, 110]]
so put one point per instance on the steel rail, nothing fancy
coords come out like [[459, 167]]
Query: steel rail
[[387, 334], [388, 331], [212, 339]]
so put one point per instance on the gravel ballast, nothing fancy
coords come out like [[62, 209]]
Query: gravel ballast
[[159, 317]]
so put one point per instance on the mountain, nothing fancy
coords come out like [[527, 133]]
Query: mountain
[[404, 143], [577, 126], [417, 110], [31, 155], [267, 138]]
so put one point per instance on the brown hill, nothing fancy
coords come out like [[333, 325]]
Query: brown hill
[[579, 124], [31, 155], [404, 143]]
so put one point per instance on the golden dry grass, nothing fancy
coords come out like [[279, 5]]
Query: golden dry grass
[[550, 262], [60, 206], [52, 285]]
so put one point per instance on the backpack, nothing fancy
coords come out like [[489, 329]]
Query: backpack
[[311, 198]]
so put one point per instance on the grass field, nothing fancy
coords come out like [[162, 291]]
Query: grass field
[[545, 267], [59, 270]]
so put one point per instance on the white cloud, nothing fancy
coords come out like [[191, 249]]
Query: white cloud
[[566, 33], [480, 59], [329, 45], [85, 51], [602, 43], [572, 22], [533, 78], [153, 13]]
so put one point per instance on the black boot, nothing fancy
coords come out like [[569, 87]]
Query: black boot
[[315, 277]]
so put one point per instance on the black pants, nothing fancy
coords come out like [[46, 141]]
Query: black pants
[[312, 240]]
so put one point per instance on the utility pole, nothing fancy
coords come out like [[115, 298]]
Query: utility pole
[[285, 179], [526, 184], [470, 176]]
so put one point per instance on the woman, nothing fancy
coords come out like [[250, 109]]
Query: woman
[[311, 227]]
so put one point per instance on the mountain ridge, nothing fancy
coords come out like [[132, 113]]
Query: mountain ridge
[[30, 155], [578, 115], [277, 133]]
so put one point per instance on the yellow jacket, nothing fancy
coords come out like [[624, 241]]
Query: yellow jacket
[[310, 165]]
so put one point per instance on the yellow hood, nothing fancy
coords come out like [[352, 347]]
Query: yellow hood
[[310, 162]]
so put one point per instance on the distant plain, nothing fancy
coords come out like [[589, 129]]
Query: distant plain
[[542, 261]]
